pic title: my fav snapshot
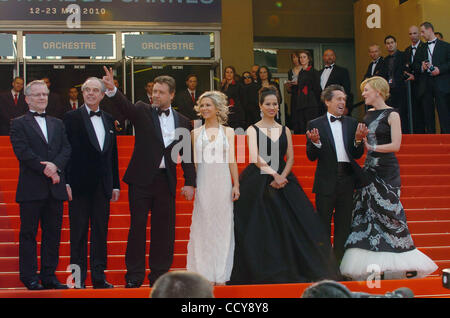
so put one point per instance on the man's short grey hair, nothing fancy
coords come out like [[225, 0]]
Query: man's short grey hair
[[102, 85], [27, 90], [327, 93]]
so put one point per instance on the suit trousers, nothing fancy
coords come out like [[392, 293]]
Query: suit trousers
[[49, 212], [431, 98], [341, 203], [398, 100], [90, 208], [156, 197]]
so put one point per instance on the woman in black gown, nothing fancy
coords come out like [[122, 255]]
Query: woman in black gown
[[380, 240], [233, 90], [279, 238]]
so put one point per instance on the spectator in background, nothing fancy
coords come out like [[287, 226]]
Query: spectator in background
[[439, 36], [233, 90], [413, 73], [187, 98], [253, 71], [396, 67], [74, 101], [264, 78], [335, 74], [12, 105], [250, 99], [291, 84], [56, 107], [307, 92], [181, 284], [434, 84], [377, 66], [148, 93]]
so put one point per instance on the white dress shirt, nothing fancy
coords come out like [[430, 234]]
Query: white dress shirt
[[374, 65], [336, 130], [73, 102], [325, 76], [99, 128], [431, 50], [42, 124], [167, 124], [414, 48]]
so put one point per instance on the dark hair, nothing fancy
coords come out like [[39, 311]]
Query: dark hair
[[266, 91], [440, 34], [327, 94], [182, 284], [390, 37], [231, 68], [308, 53], [327, 289], [17, 77], [427, 25], [269, 74], [166, 79], [191, 75]]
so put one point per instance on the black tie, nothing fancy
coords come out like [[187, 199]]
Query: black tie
[[40, 115], [333, 119], [432, 42], [327, 67], [167, 112], [91, 113]]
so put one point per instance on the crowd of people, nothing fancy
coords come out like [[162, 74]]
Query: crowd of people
[[258, 227]]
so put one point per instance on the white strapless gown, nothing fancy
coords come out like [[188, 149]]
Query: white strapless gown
[[211, 241]]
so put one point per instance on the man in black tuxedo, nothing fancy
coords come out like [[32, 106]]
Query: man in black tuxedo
[[334, 74], [335, 141], [434, 66], [147, 98], [41, 146], [413, 71], [74, 101], [151, 176], [106, 105], [186, 99], [12, 105], [377, 67], [92, 181], [396, 67], [56, 107]]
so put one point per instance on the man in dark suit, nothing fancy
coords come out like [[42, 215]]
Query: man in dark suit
[[377, 67], [434, 86], [56, 107], [41, 146], [334, 74], [12, 105], [147, 98], [335, 141], [120, 124], [74, 101], [412, 70], [92, 181], [396, 67], [187, 98], [152, 178]]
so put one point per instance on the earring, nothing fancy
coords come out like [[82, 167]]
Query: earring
[[261, 114]]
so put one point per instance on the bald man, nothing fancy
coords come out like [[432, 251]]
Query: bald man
[[377, 66]]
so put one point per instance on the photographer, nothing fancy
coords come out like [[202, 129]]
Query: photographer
[[434, 85]]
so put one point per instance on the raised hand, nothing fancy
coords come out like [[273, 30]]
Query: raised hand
[[108, 79], [361, 132], [313, 135]]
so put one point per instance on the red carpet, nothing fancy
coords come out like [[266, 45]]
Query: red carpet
[[425, 171]]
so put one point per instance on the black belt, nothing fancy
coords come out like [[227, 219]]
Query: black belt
[[344, 168]]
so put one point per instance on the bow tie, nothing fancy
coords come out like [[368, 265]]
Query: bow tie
[[333, 119], [432, 42], [328, 67], [98, 113], [40, 115], [167, 112]]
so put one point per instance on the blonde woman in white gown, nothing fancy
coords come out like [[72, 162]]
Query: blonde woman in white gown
[[211, 241]]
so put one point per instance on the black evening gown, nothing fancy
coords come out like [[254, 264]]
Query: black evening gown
[[380, 239], [279, 237]]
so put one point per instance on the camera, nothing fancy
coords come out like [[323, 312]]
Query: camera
[[431, 68], [446, 278]]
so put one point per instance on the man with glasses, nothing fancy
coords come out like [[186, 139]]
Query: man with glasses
[[41, 146]]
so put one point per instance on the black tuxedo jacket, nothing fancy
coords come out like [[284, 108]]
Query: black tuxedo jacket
[[31, 148], [326, 171], [441, 59], [8, 110], [397, 72], [380, 69], [183, 100], [149, 148], [88, 164], [412, 66], [339, 75], [236, 117], [56, 107]]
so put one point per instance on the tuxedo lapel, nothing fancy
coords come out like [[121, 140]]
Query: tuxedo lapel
[[89, 127], [50, 129], [328, 132], [108, 133], [33, 123], [345, 133], [332, 76], [154, 115]]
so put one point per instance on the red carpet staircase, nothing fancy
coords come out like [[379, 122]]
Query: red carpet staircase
[[425, 171]]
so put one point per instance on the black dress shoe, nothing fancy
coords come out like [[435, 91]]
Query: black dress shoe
[[133, 285], [54, 284], [102, 285], [34, 285]]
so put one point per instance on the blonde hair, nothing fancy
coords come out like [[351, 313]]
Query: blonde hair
[[379, 84], [220, 101]]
